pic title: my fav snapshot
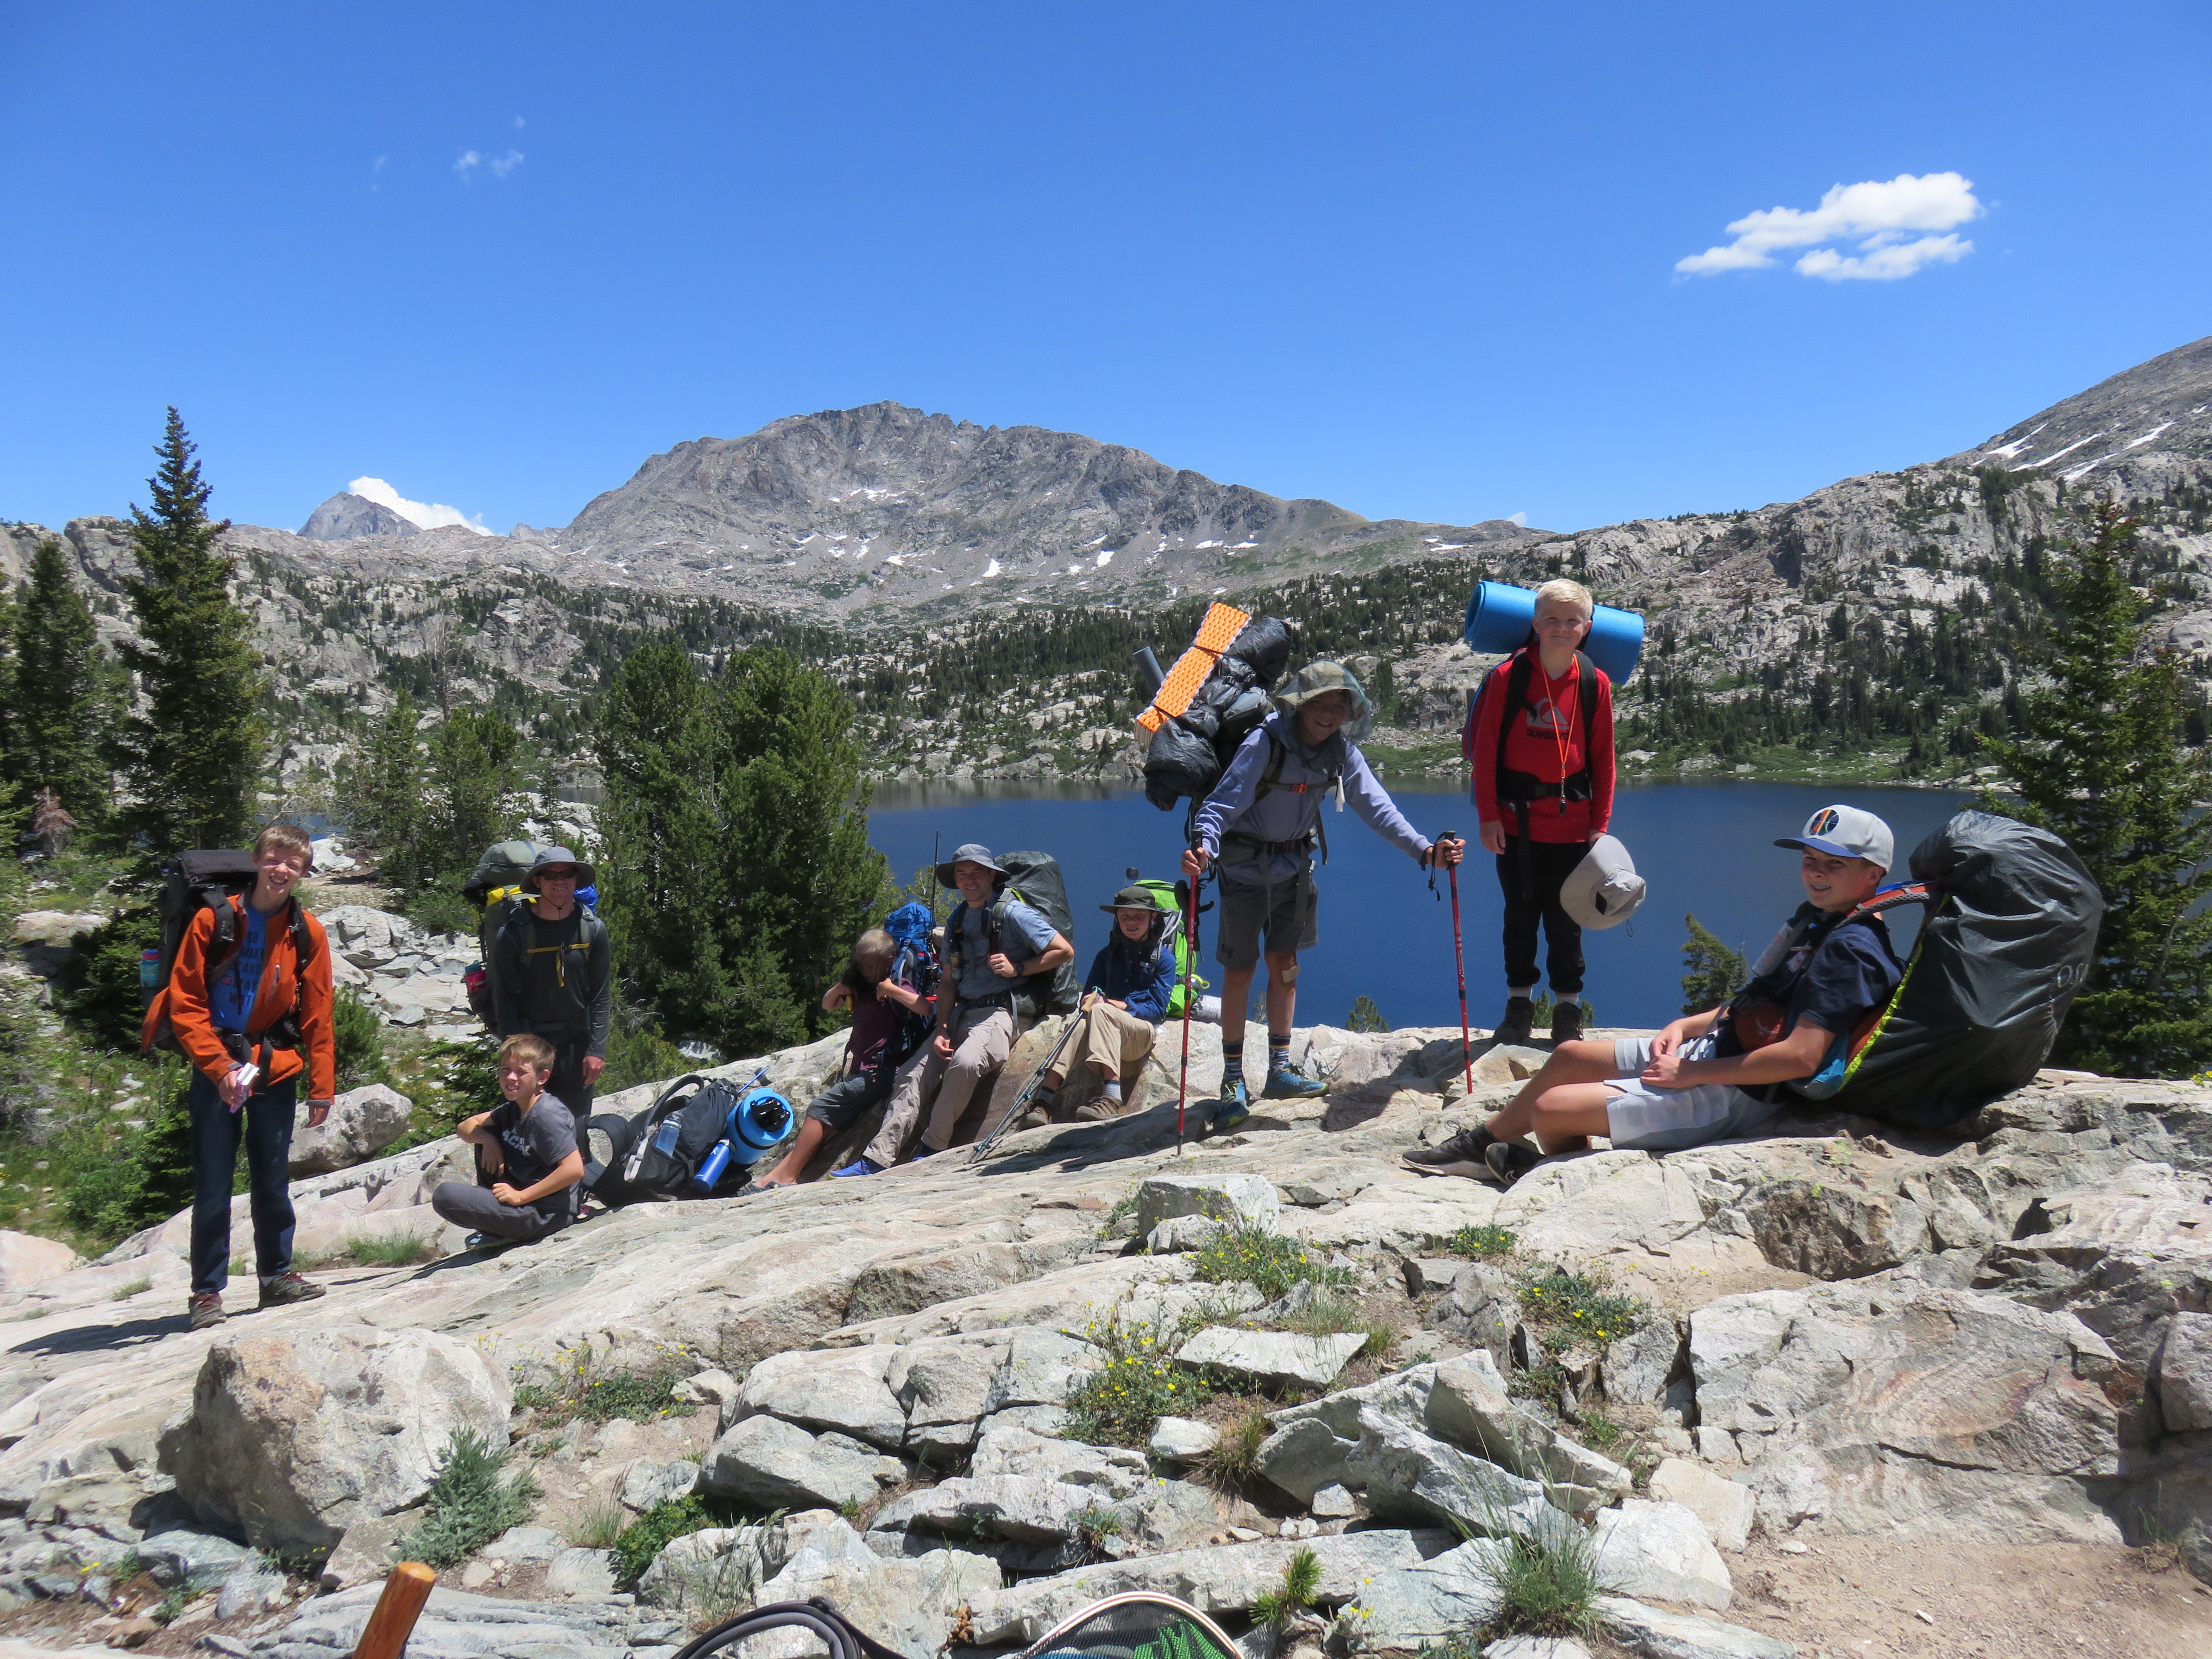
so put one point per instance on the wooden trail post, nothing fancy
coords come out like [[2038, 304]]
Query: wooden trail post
[[385, 1636]]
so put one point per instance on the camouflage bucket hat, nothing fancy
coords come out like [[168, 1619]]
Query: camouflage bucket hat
[[1319, 678]]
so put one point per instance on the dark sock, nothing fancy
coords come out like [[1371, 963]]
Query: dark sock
[[1232, 1061], [1279, 1053]]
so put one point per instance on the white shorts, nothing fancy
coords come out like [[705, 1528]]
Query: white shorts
[[1647, 1119]]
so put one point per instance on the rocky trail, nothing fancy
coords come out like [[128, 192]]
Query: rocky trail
[[1857, 1392]]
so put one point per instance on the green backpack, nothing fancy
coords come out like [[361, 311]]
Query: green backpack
[[1174, 898]]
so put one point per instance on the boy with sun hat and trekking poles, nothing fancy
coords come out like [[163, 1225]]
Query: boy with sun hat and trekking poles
[[1263, 823]]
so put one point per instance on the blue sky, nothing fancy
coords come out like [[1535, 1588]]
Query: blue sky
[[1417, 260]]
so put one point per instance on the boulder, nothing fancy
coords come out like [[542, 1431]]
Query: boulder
[[453, 1622], [1651, 1634], [910, 1604], [2185, 1373], [1247, 1201], [1272, 1359], [1413, 1475], [1020, 1508], [1468, 1406], [768, 1463], [1536, 1647], [180, 1556], [1724, 1507], [531, 1545], [249, 1590], [1317, 1444], [1333, 1503], [581, 1572], [841, 1388], [1912, 1410], [54, 928], [1008, 1448], [1649, 1547], [1833, 1229], [1430, 1602], [25, 1259], [1181, 1233], [715, 1388], [292, 1440], [1165, 1516], [1179, 1440], [646, 1483], [363, 1123]]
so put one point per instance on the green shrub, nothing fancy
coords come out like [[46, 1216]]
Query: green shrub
[[359, 1037], [1567, 1308], [1121, 1403], [102, 981], [146, 1177], [437, 905], [1301, 1583], [1268, 1262], [1484, 1243], [667, 1521], [1546, 1588], [1365, 1017], [637, 1053], [467, 1506], [584, 1388]]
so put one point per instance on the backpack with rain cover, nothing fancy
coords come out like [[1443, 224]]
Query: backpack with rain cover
[[1033, 879], [495, 889], [1210, 700], [208, 879], [1174, 898], [667, 1150], [2010, 932]]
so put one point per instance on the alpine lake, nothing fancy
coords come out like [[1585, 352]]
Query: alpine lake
[[1705, 848]]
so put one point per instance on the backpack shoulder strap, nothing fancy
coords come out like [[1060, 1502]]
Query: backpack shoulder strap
[[303, 940], [1271, 778], [1587, 673], [1517, 695]]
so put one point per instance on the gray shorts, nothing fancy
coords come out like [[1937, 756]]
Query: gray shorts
[[1289, 911], [1645, 1120]]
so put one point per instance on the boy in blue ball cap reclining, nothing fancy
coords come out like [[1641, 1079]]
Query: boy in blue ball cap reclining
[[1721, 1074]]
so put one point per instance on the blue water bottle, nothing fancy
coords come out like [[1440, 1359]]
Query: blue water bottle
[[711, 1170]]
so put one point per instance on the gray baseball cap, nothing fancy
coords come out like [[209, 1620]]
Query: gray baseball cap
[[1845, 832]]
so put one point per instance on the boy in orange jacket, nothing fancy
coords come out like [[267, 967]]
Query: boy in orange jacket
[[252, 1022]]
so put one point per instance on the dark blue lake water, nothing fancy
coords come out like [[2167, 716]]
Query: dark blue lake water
[[1704, 848]]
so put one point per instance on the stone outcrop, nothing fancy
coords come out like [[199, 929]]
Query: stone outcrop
[[907, 1348], [362, 1122], [291, 1441]]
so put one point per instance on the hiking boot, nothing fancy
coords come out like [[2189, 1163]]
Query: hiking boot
[[1460, 1155], [1508, 1162], [1566, 1022], [866, 1166], [202, 1311], [1288, 1083], [286, 1288], [1233, 1108], [1516, 1023]]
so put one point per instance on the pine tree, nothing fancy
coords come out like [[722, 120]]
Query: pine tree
[[380, 792], [194, 750], [2102, 763], [475, 770], [1714, 972], [59, 702], [737, 869]]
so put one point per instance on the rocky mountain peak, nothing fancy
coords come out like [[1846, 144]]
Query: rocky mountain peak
[[347, 515], [2163, 407]]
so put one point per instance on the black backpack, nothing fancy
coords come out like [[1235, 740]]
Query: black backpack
[[1034, 879], [208, 879], [2010, 934], [1191, 750], [655, 1154]]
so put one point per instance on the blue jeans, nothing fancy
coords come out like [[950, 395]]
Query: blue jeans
[[265, 1123]]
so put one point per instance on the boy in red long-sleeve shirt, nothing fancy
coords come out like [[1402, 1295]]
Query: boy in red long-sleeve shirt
[[1542, 796]]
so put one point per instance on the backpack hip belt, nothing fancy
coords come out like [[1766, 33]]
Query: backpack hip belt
[[1273, 848]]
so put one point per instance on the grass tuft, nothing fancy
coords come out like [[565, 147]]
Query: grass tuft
[[1301, 1583], [468, 1506], [600, 1525], [1232, 1463], [124, 1293], [1268, 1262], [403, 1251], [1123, 1402], [1484, 1243], [1569, 1307], [1547, 1589]]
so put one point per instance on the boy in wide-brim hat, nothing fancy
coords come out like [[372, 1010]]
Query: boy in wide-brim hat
[[1126, 993], [1263, 822]]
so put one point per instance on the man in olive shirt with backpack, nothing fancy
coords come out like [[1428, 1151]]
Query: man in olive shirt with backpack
[[552, 976]]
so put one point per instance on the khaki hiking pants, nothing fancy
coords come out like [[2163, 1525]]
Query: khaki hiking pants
[[982, 1038], [1114, 1041]]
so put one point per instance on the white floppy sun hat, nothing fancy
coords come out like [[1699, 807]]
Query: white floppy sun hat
[[1604, 890]]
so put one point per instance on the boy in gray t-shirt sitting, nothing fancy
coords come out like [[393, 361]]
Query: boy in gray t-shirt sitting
[[528, 1165]]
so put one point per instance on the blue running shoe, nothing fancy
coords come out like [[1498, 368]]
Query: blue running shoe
[[1288, 1083], [1234, 1106], [866, 1166]]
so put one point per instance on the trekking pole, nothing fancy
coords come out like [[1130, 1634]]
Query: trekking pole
[[398, 1607], [1189, 967], [1023, 1096], [1458, 961]]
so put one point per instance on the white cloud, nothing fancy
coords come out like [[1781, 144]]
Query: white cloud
[[424, 515], [500, 166], [1877, 217]]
